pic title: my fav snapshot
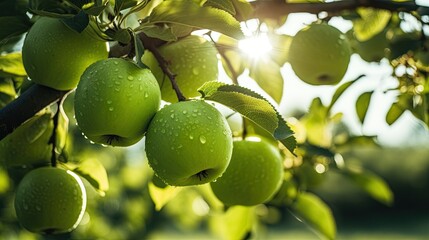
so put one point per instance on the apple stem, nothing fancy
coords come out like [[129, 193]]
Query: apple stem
[[150, 45]]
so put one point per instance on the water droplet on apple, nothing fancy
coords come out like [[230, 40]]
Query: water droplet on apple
[[146, 94], [38, 208], [203, 139], [184, 111], [109, 101], [111, 109], [130, 78], [195, 71], [191, 137], [172, 115], [120, 76]]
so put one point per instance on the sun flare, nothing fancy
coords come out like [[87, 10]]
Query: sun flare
[[256, 46]]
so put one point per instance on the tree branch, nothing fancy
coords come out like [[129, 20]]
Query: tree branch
[[25, 106], [275, 9], [150, 44]]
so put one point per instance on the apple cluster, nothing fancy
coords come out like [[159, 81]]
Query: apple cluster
[[117, 103]]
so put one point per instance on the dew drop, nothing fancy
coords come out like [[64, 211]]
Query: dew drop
[[191, 136], [109, 101], [203, 139], [146, 95], [120, 76], [111, 109], [130, 78], [195, 71]]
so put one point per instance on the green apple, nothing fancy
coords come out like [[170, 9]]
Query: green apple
[[319, 54], [114, 102], [253, 176], [192, 59], [28, 145], [371, 50], [55, 56], [50, 200], [188, 143]]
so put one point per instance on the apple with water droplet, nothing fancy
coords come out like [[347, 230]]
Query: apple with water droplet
[[114, 102], [319, 54], [254, 174], [188, 143], [55, 56], [192, 59], [50, 200]]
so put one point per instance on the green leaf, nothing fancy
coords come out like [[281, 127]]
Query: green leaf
[[231, 57], [123, 36], [362, 105], [243, 8], [139, 49], [95, 8], [252, 106], [7, 92], [372, 184], [372, 21], [124, 4], [225, 5], [312, 210], [280, 44], [61, 130], [235, 223], [340, 90], [395, 111], [94, 172], [78, 22], [162, 195], [190, 14], [13, 26], [267, 74], [161, 32], [11, 65]]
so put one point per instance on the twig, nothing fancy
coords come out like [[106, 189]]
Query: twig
[[150, 44]]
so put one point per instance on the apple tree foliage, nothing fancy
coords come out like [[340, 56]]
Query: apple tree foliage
[[381, 31]]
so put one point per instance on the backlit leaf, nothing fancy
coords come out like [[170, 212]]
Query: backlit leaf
[[267, 74], [94, 172], [162, 195], [189, 13], [372, 184], [371, 22], [362, 105], [252, 106], [312, 210]]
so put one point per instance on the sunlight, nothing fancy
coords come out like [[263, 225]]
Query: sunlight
[[256, 47]]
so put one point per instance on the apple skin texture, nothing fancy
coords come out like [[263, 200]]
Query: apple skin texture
[[194, 61], [50, 200], [253, 176], [28, 145], [188, 143], [115, 101], [56, 56], [320, 54]]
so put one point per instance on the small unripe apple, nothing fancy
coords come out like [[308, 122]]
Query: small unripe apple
[[373, 49], [188, 143], [50, 200], [253, 176], [28, 145], [319, 54], [115, 101], [192, 59], [54, 55]]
